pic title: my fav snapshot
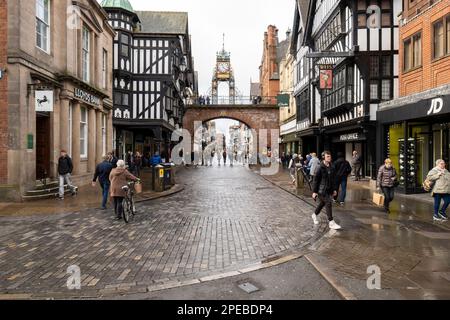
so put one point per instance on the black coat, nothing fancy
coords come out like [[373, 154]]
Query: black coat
[[65, 165], [324, 182], [342, 168]]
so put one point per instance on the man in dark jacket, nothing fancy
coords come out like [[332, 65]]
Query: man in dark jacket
[[324, 188], [102, 174], [342, 168], [113, 159], [65, 168]]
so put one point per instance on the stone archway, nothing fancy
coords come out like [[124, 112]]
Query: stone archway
[[257, 117]]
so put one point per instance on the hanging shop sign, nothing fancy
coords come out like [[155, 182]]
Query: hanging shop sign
[[86, 97], [326, 76], [283, 100], [44, 100]]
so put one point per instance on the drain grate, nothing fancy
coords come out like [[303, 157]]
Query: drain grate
[[248, 287]]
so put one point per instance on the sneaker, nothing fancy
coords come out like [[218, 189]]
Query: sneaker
[[333, 225], [60, 198], [342, 204], [436, 218], [442, 216], [314, 217]]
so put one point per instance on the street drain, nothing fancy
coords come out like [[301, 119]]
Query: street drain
[[248, 287]]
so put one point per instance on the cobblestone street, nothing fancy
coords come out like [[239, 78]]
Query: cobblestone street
[[228, 220]]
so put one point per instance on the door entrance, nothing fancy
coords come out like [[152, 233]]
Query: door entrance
[[42, 146]]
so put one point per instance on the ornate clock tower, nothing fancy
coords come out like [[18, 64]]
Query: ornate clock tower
[[223, 72]]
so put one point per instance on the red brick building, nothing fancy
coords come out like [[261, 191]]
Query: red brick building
[[416, 127], [3, 94], [273, 53]]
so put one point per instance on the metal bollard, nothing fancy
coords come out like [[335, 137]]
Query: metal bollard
[[299, 178]]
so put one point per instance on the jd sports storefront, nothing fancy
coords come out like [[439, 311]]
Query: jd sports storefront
[[414, 136]]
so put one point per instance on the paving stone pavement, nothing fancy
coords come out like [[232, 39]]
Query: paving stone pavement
[[225, 220]]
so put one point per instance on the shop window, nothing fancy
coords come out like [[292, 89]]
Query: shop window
[[104, 68], [125, 45], [43, 25], [438, 39], [374, 66], [412, 52], [386, 66], [385, 89], [104, 134], [83, 133], [85, 54], [374, 89], [70, 127], [448, 34], [117, 98]]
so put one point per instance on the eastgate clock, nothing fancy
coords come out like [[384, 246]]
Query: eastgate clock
[[223, 67]]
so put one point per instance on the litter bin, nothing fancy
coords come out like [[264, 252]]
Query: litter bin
[[158, 178], [168, 175]]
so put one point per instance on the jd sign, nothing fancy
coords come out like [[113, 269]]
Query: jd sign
[[436, 106]]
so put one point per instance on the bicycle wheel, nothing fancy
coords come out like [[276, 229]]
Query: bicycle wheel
[[126, 210], [132, 207]]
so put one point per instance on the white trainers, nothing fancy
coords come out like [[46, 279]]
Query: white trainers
[[333, 225], [314, 217]]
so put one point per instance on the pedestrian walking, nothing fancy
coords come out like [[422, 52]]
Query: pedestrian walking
[[224, 157], [219, 157], [102, 173], [130, 161], [324, 188], [295, 161], [386, 181], [119, 178], [440, 176], [356, 165], [137, 164], [113, 159], [313, 165], [343, 169], [65, 169]]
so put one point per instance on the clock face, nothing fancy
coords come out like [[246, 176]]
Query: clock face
[[223, 67]]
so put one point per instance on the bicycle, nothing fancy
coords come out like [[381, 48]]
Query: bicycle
[[129, 209]]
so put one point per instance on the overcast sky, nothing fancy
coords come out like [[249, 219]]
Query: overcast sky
[[243, 22]]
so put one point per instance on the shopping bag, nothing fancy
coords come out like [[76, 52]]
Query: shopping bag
[[378, 199], [138, 188]]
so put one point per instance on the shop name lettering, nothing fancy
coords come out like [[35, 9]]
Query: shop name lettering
[[436, 106], [89, 98], [347, 137]]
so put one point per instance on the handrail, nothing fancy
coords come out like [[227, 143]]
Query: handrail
[[226, 100]]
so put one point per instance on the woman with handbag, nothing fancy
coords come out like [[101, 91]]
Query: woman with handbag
[[387, 181], [440, 177]]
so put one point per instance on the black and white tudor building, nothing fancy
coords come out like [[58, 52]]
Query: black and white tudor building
[[359, 39], [153, 77]]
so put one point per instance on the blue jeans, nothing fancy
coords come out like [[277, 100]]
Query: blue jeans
[[437, 202], [342, 185], [105, 187]]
